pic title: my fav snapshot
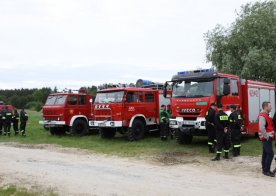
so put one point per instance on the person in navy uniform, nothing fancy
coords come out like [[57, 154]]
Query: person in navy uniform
[[23, 122], [222, 133]]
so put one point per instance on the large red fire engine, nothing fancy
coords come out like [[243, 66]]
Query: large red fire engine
[[129, 111], [3, 105], [68, 112], [194, 91]]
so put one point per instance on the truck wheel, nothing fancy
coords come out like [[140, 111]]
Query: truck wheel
[[137, 131], [107, 133], [183, 138], [53, 130], [79, 128], [60, 131]]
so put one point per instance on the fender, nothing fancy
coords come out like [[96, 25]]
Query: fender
[[135, 116], [75, 117]]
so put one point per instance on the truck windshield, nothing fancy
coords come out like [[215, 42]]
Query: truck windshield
[[110, 97], [193, 89], [56, 100]]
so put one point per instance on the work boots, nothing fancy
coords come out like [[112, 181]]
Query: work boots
[[217, 158], [235, 152], [239, 151], [226, 155]]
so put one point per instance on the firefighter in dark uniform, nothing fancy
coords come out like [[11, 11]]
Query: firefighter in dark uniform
[[235, 125], [15, 120], [210, 127], [164, 123], [7, 121], [223, 137], [23, 122]]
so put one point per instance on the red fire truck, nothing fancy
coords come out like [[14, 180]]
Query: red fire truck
[[67, 112], [194, 91], [129, 111], [3, 105]]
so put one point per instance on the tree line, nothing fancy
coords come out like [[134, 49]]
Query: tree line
[[248, 46]]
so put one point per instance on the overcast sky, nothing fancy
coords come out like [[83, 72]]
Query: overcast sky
[[73, 43]]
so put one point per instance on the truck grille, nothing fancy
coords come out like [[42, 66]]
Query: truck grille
[[103, 114]]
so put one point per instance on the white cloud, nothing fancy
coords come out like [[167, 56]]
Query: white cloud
[[69, 42]]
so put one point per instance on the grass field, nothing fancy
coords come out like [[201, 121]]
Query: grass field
[[14, 191], [119, 145]]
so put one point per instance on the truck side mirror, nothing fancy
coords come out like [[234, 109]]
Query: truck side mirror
[[226, 81], [226, 89], [165, 92]]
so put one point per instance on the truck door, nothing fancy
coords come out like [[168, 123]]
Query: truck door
[[233, 97], [72, 107], [150, 107], [83, 106], [133, 105]]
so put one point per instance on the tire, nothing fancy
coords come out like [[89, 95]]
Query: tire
[[183, 138], [57, 131], [79, 128], [137, 131], [53, 130], [107, 133]]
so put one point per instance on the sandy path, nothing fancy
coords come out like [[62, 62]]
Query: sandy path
[[76, 172]]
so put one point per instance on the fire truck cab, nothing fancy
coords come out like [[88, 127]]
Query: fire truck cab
[[67, 112], [194, 91], [129, 111]]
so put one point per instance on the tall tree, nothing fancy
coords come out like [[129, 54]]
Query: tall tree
[[248, 46]]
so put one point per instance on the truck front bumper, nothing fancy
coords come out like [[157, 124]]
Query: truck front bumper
[[196, 127], [52, 123], [110, 124]]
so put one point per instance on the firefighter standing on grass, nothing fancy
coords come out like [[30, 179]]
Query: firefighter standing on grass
[[223, 137], [7, 114], [23, 122], [235, 125], [15, 120], [164, 123], [210, 126]]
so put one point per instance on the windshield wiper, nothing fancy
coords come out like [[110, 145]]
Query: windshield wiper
[[198, 96]]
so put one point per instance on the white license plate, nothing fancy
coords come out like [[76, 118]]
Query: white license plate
[[101, 124], [91, 124], [189, 123]]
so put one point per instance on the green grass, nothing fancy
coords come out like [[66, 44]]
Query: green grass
[[119, 145], [14, 191]]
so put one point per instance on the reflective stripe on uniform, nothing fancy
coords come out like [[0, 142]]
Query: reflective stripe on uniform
[[9, 114], [219, 152], [239, 117], [215, 140], [226, 150], [222, 118], [237, 146], [210, 143]]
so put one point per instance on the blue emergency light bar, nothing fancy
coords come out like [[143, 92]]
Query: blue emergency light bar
[[196, 71]]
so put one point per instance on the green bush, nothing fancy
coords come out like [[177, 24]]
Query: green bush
[[34, 105]]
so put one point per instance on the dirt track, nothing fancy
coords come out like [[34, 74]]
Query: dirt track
[[78, 172]]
